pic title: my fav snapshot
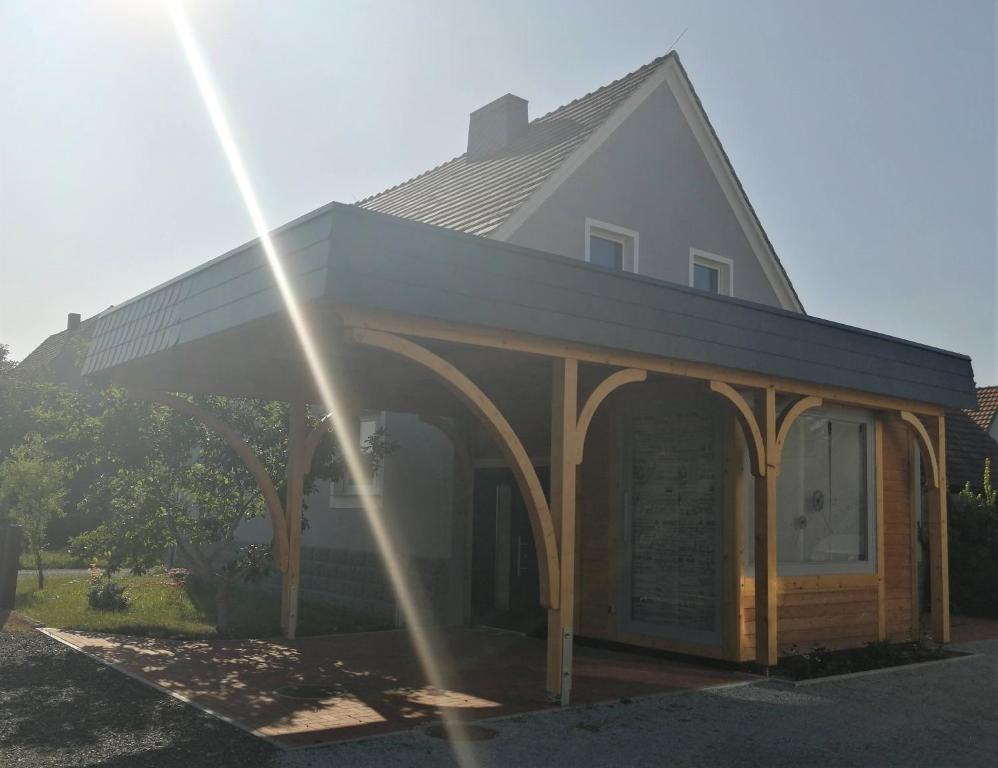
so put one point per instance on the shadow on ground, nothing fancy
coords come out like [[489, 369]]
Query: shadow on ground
[[59, 708], [373, 682]]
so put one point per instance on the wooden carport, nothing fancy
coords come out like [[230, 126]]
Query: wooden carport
[[416, 318]]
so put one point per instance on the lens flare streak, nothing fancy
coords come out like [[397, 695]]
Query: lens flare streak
[[417, 627]]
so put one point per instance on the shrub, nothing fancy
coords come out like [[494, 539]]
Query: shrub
[[973, 549], [106, 595]]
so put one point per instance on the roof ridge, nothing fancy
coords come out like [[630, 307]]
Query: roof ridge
[[650, 65], [644, 68]]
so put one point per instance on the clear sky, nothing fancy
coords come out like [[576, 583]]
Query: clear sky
[[864, 132]]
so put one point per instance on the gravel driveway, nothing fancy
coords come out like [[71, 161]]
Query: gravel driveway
[[58, 708]]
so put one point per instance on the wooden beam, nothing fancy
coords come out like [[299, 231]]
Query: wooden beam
[[925, 443], [515, 454], [880, 532], [766, 585], [939, 544], [520, 342], [598, 395], [294, 500], [564, 449], [743, 412], [246, 454]]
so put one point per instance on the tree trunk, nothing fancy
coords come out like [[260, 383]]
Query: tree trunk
[[38, 565]]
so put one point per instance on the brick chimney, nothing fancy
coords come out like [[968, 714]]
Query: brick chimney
[[73, 321], [495, 126]]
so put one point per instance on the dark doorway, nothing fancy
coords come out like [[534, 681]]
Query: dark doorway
[[504, 585]]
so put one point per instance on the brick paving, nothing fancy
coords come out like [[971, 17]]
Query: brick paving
[[377, 683], [968, 629]]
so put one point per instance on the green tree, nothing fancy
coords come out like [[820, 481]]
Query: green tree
[[32, 487], [177, 485], [6, 364]]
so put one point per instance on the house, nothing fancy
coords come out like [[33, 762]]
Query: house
[[640, 437], [985, 415], [971, 438], [61, 354], [630, 177]]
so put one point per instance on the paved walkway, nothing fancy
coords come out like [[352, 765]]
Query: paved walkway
[[375, 685], [932, 715]]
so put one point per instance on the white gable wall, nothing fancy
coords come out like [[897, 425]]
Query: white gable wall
[[650, 175]]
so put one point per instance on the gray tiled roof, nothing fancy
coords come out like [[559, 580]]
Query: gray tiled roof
[[343, 255], [477, 196], [50, 350]]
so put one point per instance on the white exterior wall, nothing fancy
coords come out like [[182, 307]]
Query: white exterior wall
[[651, 176], [417, 502]]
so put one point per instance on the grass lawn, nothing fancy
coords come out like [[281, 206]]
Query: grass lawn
[[52, 559], [160, 608]]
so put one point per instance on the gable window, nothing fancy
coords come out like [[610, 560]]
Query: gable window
[[710, 272], [706, 278], [825, 514], [610, 246], [606, 253]]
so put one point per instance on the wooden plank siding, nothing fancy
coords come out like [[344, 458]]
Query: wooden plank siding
[[835, 611]]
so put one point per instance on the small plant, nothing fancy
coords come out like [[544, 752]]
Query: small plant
[[106, 595]]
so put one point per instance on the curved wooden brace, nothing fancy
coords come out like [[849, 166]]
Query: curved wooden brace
[[926, 444], [598, 395], [492, 418], [753, 435], [790, 415], [248, 456]]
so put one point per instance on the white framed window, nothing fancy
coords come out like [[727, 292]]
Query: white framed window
[[825, 497], [608, 245], [367, 425], [712, 273]]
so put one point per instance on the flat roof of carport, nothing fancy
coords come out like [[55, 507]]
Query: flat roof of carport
[[343, 255]]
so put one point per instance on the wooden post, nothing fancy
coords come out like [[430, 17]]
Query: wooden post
[[915, 487], [564, 448], [294, 497], [734, 542], [939, 542], [878, 473], [765, 533]]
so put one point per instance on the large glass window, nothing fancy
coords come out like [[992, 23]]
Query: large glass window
[[825, 516], [824, 494]]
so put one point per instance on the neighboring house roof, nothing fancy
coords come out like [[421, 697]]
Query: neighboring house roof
[[967, 446], [484, 196], [55, 352], [342, 255], [987, 407]]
